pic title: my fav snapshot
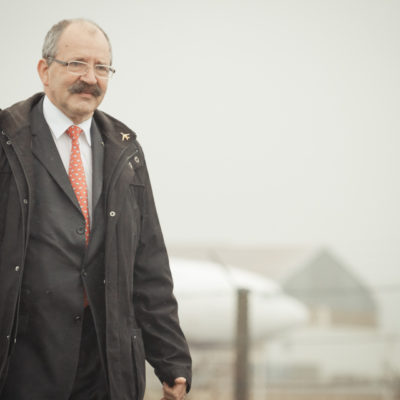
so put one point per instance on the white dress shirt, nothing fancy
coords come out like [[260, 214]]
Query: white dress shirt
[[58, 123]]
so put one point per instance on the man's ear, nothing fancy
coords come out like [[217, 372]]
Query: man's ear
[[43, 71]]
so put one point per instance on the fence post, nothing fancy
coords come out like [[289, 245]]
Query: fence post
[[241, 384]]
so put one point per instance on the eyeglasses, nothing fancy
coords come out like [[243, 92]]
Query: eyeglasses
[[81, 68]]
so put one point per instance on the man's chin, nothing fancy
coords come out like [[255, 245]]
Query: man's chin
[[83, 110]]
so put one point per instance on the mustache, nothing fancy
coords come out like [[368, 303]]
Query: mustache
[[83, 87]]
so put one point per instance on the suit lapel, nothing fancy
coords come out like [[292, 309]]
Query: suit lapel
[[45, 150], [98, 161]]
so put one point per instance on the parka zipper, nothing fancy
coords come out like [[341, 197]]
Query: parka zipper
[[12, 337]]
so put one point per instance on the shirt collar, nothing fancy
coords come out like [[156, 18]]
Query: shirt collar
[[59, 122]]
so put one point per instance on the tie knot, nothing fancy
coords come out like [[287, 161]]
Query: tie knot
[[74, 131]]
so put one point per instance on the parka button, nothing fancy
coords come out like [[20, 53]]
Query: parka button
[[25, 201], [80, 230], [8, 142], [84, 273], [112, 213], [77, 318], [137, 159], [17, 268]]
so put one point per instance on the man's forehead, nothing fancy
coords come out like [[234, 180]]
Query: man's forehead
[[80, 28], [80, 35]]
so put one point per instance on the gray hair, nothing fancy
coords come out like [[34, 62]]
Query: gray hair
[[49, 49]]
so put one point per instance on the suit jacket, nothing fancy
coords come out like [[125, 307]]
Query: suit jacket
[[133, 300]]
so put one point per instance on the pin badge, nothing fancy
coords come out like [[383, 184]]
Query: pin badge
[[125, 136]]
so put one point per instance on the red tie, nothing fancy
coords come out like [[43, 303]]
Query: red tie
[[77, 177]]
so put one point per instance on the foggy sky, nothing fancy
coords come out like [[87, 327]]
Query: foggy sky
[[263, 122]]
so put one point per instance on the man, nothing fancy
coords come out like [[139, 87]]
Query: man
[[85, 285]]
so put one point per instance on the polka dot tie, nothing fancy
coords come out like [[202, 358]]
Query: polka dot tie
[[77, 177]]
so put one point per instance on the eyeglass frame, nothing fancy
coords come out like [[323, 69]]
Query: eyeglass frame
[[111, 70]]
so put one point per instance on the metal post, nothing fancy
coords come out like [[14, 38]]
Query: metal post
[[241, 385]]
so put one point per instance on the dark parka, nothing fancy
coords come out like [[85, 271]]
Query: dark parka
[[141, 311]]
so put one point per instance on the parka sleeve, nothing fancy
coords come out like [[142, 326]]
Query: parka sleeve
[[156, 308]]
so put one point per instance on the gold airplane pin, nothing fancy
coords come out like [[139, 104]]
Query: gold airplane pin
[[125, 136]]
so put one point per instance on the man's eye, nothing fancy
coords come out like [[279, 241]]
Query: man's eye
[[102, 68], [75, 64]]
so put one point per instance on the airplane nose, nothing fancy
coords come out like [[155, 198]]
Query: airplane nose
[[207, 296]]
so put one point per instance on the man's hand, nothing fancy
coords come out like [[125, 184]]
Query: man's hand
[[176, 392]]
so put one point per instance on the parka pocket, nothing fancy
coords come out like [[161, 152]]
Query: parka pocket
[[139, 362], [137, 190]]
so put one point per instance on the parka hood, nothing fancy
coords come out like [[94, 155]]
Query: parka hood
[[13, 118]]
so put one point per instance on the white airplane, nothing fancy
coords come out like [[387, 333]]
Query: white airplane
[[207, 297]]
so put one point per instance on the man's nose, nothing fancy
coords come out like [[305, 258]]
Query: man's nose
[[89, 76]]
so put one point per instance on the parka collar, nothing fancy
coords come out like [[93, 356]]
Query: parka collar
[[16, 117], [112, 129]]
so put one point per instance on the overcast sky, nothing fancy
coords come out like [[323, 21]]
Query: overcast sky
[[263, 122]]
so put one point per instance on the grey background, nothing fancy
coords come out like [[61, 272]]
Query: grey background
[[263, 122]]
